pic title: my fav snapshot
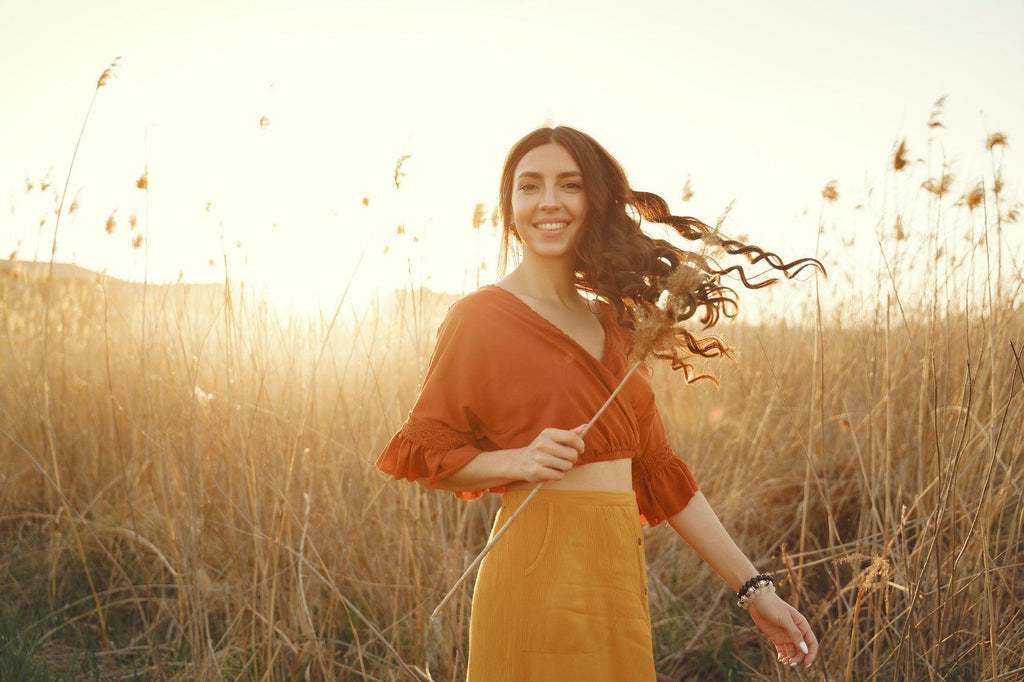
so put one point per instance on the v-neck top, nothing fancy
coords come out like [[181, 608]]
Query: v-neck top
[[545, 321], [500, 373]]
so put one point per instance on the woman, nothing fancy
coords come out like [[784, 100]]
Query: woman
[[519, 368]]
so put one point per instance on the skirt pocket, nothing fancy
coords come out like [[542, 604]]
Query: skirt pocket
[[522, 549], [541, 526]]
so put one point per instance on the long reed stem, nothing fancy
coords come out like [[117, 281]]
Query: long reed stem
[[45, 412]]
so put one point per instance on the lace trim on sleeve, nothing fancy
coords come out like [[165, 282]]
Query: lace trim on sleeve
[[656, 460], [663, 483], [433, 435]]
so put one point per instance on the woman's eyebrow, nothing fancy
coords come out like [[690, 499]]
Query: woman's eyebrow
[[563, 174]]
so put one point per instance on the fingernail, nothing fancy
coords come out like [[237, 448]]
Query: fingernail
[[792, 663], [803, 647]]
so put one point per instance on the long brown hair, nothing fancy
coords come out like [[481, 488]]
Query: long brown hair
[[618, 263]]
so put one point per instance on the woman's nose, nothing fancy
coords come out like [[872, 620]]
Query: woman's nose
[[549, 199]]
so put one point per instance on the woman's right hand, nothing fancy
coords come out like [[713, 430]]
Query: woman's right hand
[[552, 453]]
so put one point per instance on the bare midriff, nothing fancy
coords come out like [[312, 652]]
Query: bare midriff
[[614, 475]]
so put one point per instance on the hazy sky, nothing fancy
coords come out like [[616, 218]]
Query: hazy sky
[[761, 103]]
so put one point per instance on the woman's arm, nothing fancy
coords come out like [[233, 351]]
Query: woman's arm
[[552, 453], [700, 527]]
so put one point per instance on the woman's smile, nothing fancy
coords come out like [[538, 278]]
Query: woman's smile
[[550, 227]]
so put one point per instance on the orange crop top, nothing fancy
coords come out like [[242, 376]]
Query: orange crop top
[[500, 373]]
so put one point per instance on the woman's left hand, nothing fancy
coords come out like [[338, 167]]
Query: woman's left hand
[[786, 627]]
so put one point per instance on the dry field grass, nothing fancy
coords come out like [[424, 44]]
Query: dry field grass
[[187, 492], [187, 488]]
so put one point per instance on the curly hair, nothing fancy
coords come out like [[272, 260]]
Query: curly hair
[[618, 263]]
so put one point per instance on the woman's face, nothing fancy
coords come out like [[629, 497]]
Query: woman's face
[[549, 202]]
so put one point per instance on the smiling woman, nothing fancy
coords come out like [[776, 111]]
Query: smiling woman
[[518, 370]]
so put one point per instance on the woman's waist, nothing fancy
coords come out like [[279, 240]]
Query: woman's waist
[[612, 475]]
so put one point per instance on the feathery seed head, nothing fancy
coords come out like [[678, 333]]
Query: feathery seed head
[[933, 119], [939, 187], [995, 140], [974, 197], [143, 181], [899, 159], [108, 73], [831, 191], [398, 170], [687, 191], [661, 331], [654, 332]]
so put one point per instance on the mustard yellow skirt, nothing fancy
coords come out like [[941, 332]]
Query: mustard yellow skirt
[[563, 594]]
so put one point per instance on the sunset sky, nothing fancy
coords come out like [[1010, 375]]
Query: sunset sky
[[757, 103]]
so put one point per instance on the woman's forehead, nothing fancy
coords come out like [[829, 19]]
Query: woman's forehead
[[547, 159]]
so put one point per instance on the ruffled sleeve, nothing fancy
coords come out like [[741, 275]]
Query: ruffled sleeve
[[662, 481], [426, 451], [439, 436]]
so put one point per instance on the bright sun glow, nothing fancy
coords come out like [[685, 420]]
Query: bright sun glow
[[285, 145]]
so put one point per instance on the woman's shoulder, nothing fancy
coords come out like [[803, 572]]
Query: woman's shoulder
[[478, 312], [477, 307], [487, 297]]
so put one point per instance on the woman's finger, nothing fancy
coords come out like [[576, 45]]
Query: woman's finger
[[563, 452], [559, 463], [809, 641], [562, 437], [795, 637], [569, 450]]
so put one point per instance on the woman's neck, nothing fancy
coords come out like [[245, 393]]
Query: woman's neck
[[550, 282]]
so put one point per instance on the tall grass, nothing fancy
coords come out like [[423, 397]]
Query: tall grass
[[187, 489]]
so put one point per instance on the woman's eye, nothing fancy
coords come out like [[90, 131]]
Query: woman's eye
[[574, 186], [527, 187]]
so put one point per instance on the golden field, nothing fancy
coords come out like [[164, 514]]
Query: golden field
[[187, 489]]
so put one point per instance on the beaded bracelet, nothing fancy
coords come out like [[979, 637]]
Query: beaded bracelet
[[757, 585]]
